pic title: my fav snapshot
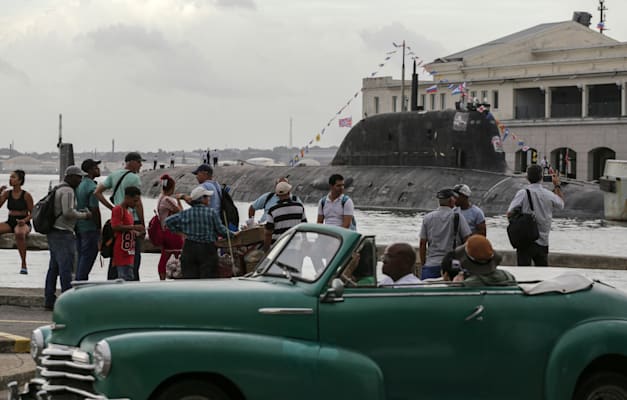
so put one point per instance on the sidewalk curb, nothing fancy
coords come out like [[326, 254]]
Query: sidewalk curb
[[10, 343], [22, 297], [17, 367]]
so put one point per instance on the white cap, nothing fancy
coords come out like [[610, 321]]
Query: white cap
[[199, 192], [462, 189], [282, 188]]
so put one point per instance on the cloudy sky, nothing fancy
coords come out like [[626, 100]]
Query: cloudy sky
[[188, 74]]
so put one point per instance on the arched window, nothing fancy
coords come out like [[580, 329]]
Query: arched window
[[525, 157], [596, 161], [564, 160]]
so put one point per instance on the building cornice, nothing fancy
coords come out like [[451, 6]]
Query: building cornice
[[519, 123]]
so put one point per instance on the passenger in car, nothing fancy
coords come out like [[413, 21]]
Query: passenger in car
[[360, 269], [479, 259], [451, 268], [399, 263]]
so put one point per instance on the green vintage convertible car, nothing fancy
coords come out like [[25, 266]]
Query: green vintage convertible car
[[295, 329]]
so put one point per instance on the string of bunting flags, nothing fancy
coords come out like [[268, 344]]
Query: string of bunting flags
[[455, 88]]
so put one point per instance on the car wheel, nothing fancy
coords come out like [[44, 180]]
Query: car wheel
[[192, 389], [603, 386]]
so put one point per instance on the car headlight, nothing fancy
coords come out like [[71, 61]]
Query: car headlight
[[102, 358], [36, 343]]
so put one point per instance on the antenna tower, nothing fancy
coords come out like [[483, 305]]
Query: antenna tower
[[601, 24]]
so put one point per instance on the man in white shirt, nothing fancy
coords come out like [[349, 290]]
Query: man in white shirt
[[336, 208], [399, 263], [544, 201]]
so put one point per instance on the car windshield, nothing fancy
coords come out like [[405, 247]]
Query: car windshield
[[303, 256]]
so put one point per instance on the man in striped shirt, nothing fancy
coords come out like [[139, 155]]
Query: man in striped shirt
[[201, 226], [283, 215]]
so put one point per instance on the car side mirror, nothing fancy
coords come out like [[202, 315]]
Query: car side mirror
[[335, 293]]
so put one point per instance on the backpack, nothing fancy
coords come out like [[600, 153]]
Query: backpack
[[455, 229], [106, 248], [353, 225], [522, 230], [43, 215], [228, 210], [155, 231]]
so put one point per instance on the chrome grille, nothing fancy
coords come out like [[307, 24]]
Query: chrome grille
[[64, 377]]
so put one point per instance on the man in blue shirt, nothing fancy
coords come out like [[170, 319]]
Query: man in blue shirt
[[201, 226], [204, 176], [473, 214], [265, 202], [87, 230]]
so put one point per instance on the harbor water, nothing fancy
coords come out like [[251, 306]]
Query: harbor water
[[594, 237]]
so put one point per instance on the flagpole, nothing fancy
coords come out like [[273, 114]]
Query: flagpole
[[403, 80]]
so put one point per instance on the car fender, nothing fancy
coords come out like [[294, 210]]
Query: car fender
[[576, 349], [260, 367]]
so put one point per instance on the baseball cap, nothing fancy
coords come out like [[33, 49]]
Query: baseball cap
[[462, 189], [74, 170], [477, 255], [282, 188], [446, 193], [199, 192], [89, 164], [133, 156], [203, 167]]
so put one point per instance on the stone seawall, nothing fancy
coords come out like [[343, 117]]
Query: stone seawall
[[388, 187]]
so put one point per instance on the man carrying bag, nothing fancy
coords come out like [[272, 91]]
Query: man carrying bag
[[534, 202]]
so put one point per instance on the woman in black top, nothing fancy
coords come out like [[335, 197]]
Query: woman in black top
[[20, 205]]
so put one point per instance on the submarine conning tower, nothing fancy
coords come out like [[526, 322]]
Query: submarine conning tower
[[449, 138]]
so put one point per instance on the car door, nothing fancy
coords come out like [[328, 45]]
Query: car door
[[428, 341]]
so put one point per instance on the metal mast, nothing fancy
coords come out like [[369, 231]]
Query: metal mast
[[601, 24], [403, 108]]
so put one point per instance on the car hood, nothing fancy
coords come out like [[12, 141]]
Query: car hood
[[218, 304]]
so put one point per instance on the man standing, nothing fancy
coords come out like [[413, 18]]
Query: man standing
[[473, 214], [172, 159], [442, 230], [201, 226], [87, 231], [125, 232], [265, 202], [285, 214], [118, 181], [399, 263], [544, 201], [215, 157], [155, 160], [336, 208], [204, 176], [61, 240]]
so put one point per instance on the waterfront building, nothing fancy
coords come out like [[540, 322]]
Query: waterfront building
[[559, 88]]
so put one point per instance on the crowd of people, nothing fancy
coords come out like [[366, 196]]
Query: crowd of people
[[452, 239]]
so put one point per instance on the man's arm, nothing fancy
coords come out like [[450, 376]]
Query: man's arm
[[557, 189], [423, 251], [99, 193], [346, 221], [481, 228], [140, 212]]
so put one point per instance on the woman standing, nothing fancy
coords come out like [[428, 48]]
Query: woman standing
[[167, 205], [20, 205]]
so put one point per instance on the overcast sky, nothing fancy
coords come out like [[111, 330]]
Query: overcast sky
[[188, 74]]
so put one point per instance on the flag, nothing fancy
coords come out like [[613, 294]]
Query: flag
[[506, 133], [432, 89], [451, 86], [317, 137], [567, 158], [521, 143], [346, 122], [457, 90], [601, 25]]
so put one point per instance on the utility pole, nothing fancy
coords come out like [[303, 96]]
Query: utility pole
[[601, 24], [403, 107]]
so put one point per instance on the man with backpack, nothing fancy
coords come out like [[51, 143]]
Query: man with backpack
[[118, 181], [442, 231], [265, 202], [336, 208], [61, 238]]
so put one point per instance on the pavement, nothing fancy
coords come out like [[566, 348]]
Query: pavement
[[21, 311]]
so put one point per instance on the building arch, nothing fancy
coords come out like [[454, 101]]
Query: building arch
[[596, 161], [564, 160], [525, 157]]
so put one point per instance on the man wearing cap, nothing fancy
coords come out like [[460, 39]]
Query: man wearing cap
[[478, 261], [61, 240], [88, 230], [399, 263], [265, 202], [127, 177], [285, 214], [201, 226], [473, 214], [544, 201], [204, 176], [442, 230]]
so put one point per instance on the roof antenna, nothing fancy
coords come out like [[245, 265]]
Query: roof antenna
[[601, 24]]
